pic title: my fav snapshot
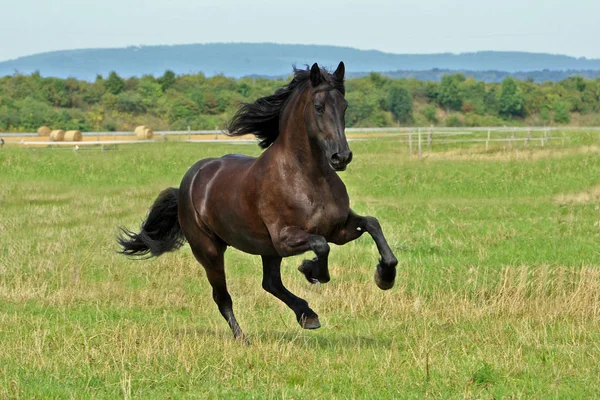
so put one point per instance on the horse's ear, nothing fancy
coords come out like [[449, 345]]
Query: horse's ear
[[315, 75], [340, 71]]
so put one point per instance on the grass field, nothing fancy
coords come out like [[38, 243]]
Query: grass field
[[497, 294]]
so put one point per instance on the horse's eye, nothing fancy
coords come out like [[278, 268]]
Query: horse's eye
[[320, 108]]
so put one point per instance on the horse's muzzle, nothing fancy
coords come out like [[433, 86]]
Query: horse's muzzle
[[339, 161]]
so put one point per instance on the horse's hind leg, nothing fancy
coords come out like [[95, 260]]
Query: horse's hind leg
[[210, 255], [306, 317]]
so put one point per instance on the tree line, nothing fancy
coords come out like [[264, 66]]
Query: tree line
[[172, 102]]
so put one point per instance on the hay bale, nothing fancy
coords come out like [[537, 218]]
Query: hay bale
[[139, 130], [73, 136], [44, 131], [143, 132], [149, 133], [57, 135]]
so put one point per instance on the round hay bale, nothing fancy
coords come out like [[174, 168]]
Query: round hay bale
[[44, 131], [148, 133], [57, 135], [139, 130], [73, 136], [143, 132]]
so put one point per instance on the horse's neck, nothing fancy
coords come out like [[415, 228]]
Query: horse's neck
[[294, 143]]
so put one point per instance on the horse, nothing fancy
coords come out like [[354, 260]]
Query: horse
[[285, 202]]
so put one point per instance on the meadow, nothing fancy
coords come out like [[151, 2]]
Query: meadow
[[497, 293]]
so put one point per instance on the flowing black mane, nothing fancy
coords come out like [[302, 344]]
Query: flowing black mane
[[261, 118]]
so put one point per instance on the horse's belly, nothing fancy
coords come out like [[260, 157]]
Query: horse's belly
[[246, 238]]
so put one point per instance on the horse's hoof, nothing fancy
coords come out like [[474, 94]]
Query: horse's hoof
[[382, 284], [310, 322], [243, 339], [307, 268]]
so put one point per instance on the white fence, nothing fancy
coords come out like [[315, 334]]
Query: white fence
[[417, 138], [395, 129]]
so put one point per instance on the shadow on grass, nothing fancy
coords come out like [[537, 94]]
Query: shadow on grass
[[301, 338], [325, 340]]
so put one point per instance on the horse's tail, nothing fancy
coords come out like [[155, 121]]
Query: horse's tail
[[159, 233]]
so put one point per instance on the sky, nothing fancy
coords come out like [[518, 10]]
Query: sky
[[414, 26]]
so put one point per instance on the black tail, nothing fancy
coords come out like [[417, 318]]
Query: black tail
[[159, 233]]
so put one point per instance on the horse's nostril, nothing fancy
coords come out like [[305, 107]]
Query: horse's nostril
[[341, 158]]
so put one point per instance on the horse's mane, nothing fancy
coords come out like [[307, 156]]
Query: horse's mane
[[261, 118]]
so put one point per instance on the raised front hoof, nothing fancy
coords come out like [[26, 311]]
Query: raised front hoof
[[385, 278], [308, 269], [309, 322]]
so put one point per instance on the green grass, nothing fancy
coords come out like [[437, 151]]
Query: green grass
[[497, 294]]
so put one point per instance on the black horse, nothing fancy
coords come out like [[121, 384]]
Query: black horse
[[287, 201]]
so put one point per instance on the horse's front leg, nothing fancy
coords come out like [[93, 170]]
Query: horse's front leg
[[355, 226], [292, 241]]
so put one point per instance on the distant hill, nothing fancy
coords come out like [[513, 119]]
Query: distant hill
[[267, 59], [487, 76]]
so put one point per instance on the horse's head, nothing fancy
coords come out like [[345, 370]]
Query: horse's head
[[324, 115]]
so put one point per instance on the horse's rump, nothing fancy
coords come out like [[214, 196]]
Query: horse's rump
[[219, 196]]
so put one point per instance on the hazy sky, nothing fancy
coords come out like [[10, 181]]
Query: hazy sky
[[415, 26]]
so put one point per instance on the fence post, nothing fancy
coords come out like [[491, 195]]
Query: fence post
[[528, 138], [189, 133], [543, 136], [430, 137], [420, 152], [511, 138], [487, 142], [410, 149]]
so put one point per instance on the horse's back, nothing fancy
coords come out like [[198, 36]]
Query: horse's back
[[201, 176], [237, 157], [206, 167]]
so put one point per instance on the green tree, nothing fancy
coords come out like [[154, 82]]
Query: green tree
[[401, 104], [491, 101], [450, 93], [430, 113], [181, 110], [114, 84], [545, 115], [360, 107], [54, 91], [561, 112], [130, 103], [511, 100], [150, 92], [167, 80], [377, 79], [453, 120], [474, 96]]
